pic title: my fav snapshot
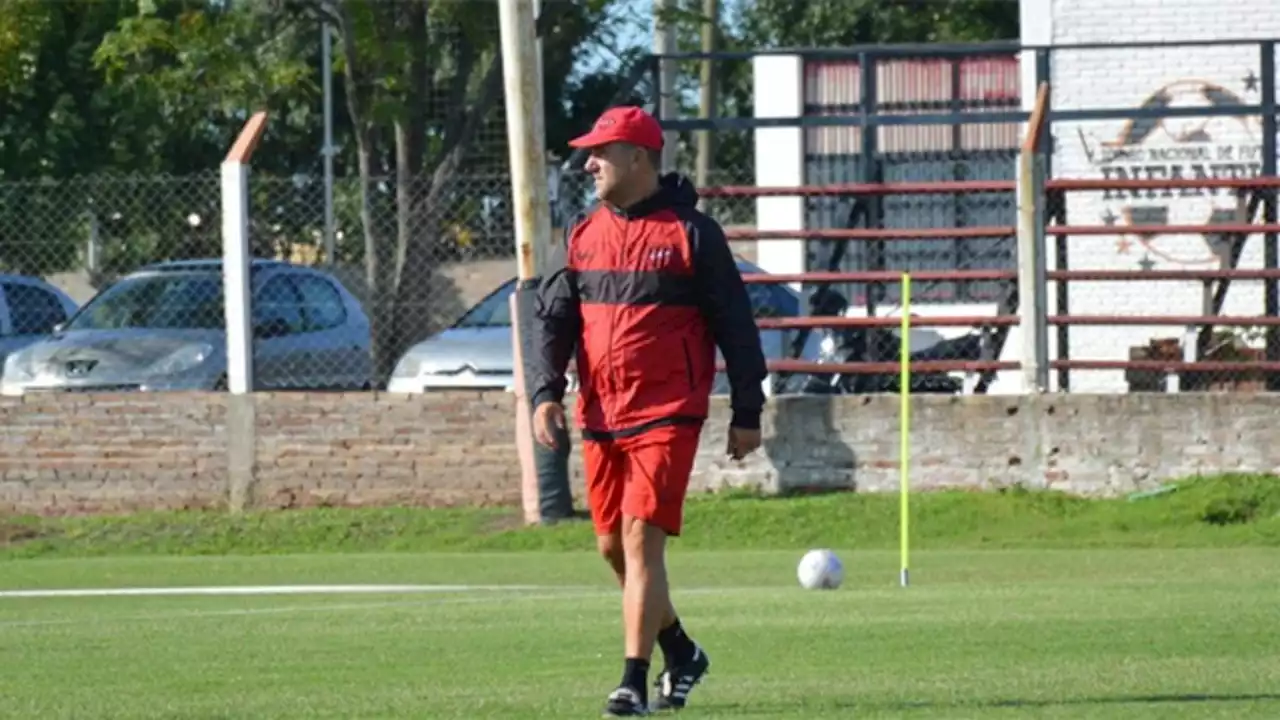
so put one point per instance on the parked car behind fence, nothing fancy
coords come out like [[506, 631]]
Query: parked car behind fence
[[163, 327]]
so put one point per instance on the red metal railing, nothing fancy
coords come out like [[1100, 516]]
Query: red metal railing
[[943, 187], [1060, 276]]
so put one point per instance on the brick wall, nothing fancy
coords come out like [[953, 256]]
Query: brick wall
[[92, 453], [78, 453], [1185, 76], [447, 449]]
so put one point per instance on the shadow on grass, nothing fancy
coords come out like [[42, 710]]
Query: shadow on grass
[[767, 708], [1135, 700]]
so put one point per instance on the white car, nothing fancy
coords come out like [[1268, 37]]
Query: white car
[[475, 352]]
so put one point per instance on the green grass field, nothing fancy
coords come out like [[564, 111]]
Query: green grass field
[[1023, 605]]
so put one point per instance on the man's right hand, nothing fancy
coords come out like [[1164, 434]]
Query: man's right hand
[[548, 420]]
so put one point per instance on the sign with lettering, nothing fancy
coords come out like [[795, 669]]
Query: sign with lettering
[[1176, 147]]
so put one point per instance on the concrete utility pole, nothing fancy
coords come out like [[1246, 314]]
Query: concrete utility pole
[[547, 496], [542, 248], [526, 136], [326, 62], [707, 103], [664, 43]]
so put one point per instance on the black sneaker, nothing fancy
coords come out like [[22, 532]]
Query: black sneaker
[[625, 702], [674, 684]]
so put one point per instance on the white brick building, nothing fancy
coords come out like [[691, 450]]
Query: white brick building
[[1183, 147]]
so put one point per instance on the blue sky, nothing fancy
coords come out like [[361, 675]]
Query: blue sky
[[634, 22]]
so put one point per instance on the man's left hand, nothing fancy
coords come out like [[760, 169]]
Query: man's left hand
[[742, 442]]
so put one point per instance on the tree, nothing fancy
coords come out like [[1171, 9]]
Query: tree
[[420, 81], [196, 70], [431, 72], [57, 119], [845, 23], [104, 102]]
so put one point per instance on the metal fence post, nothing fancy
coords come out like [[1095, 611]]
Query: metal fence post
[[1032, 268], [1271, 252], [870, 174], [1041, 271], [1029, 311], [1062, 305]]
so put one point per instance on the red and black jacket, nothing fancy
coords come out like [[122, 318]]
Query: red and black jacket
[[646, 295]]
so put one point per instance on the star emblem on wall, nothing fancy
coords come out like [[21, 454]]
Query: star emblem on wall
[[1250, 82], [1146, 263], [1109, 218], [1123, 245]]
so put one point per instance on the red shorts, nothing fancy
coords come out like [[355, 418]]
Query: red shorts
[[644, 476]]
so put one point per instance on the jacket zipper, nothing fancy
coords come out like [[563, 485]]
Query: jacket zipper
[[688, 362], [611, 412]]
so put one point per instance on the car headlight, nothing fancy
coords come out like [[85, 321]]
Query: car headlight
[[18, 368], [183, 359], [408, 367]]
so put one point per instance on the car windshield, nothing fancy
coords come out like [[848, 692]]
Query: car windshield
[[493, 311], [168, 301]]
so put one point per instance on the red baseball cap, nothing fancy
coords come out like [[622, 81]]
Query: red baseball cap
[[623, 124]]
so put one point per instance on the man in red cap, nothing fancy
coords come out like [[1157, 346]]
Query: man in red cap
[[646, 289]]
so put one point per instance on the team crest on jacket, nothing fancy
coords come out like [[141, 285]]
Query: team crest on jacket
[[660, 256]]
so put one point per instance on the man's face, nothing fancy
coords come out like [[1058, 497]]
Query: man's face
[[615, 168]]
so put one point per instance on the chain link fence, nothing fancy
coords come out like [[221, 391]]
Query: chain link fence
[[87, 231], [357, 295], [360, 294]]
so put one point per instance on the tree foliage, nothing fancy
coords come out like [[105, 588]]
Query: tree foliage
[[844, 23], [161, 87]]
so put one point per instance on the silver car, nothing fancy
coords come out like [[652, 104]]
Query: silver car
[[30, 309], [475, 352], [163, 328]]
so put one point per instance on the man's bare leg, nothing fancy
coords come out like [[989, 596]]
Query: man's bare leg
[[646, 600], [645, 605], [637, 556], [611, 548]]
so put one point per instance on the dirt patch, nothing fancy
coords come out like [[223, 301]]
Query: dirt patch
[[14, 534]]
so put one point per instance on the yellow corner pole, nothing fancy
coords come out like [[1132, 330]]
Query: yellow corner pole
[[904, 432]]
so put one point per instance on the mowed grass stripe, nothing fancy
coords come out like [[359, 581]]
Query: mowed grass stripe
[[1086, 645]]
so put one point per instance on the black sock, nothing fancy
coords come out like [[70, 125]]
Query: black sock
[[677, 647], [635, 675]]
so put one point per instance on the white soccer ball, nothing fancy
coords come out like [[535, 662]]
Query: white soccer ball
[[820, 570]]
